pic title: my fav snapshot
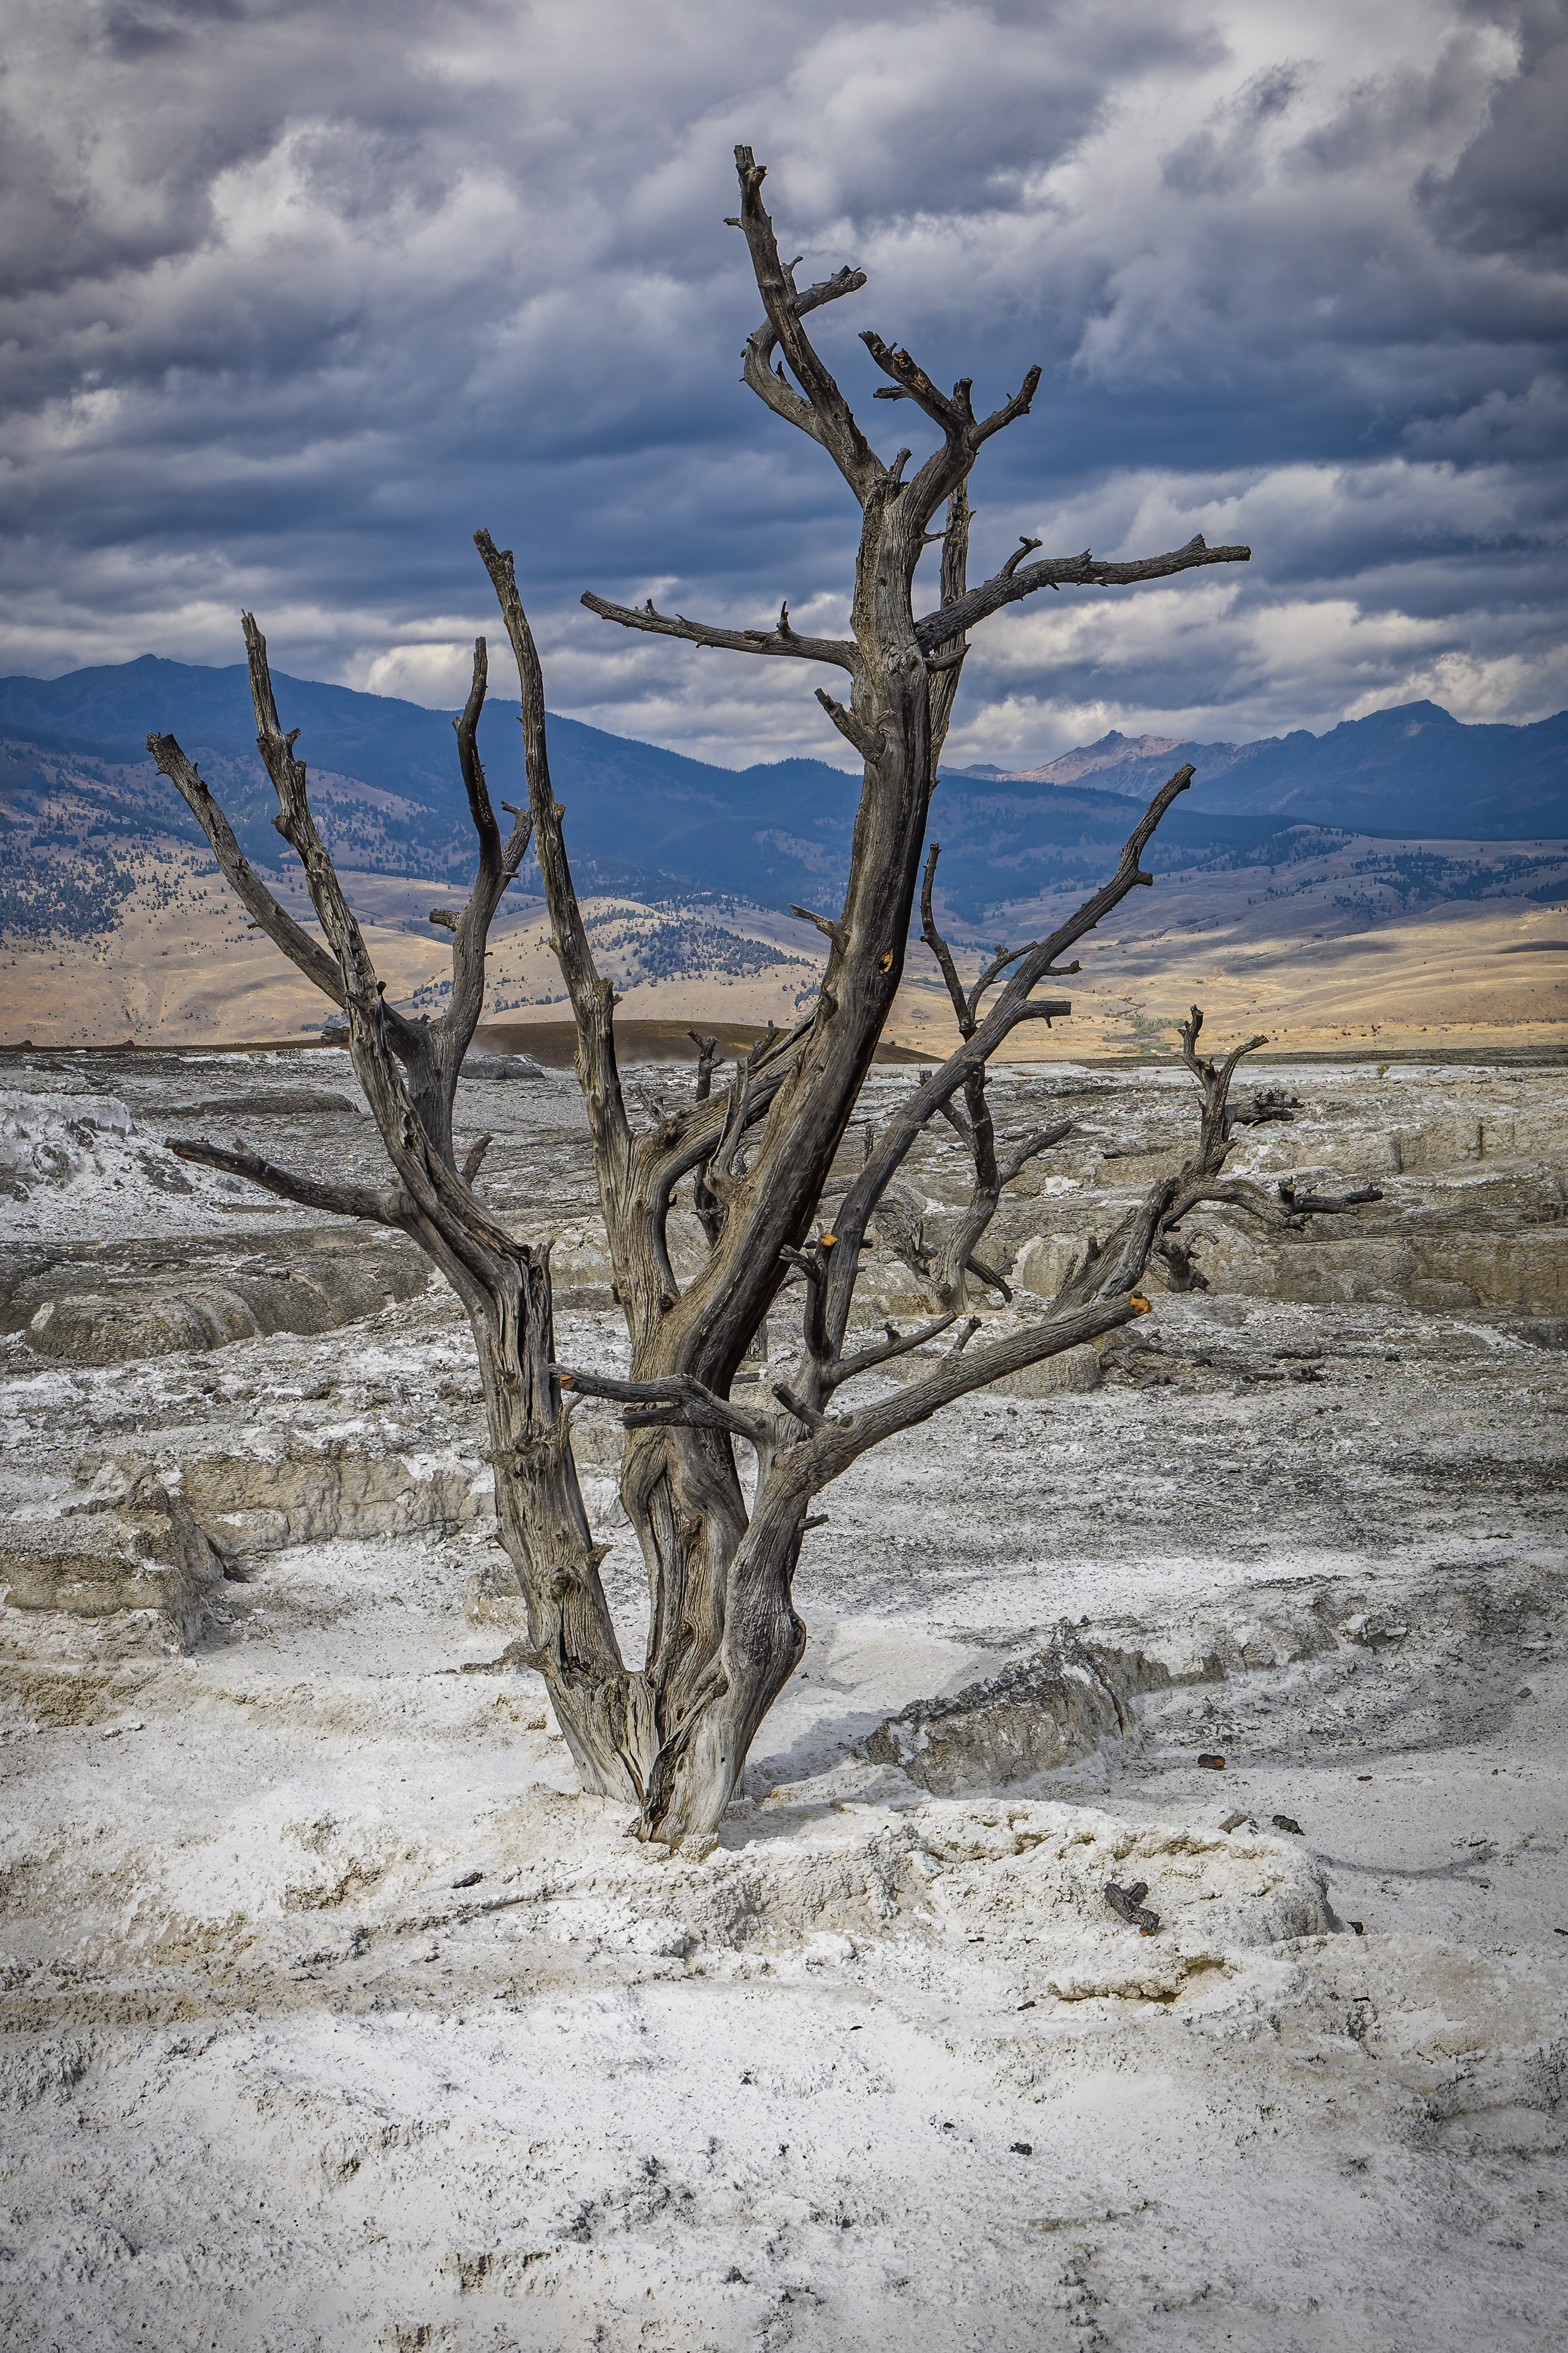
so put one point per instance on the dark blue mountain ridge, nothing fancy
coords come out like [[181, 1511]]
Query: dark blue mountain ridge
[[640, 816], [385, 776], [1413, 770], [386, 789]]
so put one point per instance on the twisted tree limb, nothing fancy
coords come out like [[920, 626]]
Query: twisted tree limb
[[381, 1209], [782, 643], [1008, 586]]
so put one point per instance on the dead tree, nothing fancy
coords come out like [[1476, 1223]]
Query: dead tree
[[670, 1736]]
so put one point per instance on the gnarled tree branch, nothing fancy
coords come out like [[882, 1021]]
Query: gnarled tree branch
[[1006, 586], [307, 955], [591, 998], [786, 643], [985, 1037], [378, 1207], [820, 408]]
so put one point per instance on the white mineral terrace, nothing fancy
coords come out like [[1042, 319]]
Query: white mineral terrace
[[336, 2020]]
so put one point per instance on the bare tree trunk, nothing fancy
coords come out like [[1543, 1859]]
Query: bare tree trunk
[[671, 1735]]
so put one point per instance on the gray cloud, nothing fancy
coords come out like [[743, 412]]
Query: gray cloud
[[295, 297], [1225, 157], [1508, 192]]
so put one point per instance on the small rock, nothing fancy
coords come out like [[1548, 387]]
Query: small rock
[[1128, 1902], [1212, 1764], [1288, 1822], [1233, 1821], [468, 1879], [1023, 2149], [496, 1069]]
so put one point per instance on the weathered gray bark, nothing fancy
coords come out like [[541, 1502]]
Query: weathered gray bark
[[671, 1735]]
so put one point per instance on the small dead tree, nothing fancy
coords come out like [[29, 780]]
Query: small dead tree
[[670, 1736]]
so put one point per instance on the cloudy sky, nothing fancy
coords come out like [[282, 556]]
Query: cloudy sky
[[298, 292]]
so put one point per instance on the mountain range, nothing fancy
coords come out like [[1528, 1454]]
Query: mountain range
[[75, 776], [1414, 771]]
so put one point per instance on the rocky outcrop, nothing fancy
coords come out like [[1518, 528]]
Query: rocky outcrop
[[301, 1491], [130, 1557], [141, 1548], [124, 1302], [62, 1140], [1434, 1264], [1031, 1718], [492, 1069]]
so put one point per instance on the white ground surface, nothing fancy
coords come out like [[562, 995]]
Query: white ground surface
[[337, 2021]]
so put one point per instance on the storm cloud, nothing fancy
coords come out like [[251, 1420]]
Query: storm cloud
[[293, 297]]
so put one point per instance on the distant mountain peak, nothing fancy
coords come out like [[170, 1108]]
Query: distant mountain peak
[[1112, 751], [1409, 717]]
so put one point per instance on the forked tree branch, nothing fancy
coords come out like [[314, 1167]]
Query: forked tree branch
[[1014, 1004], [911, 382], [882, 1352], [820, 408], [834, 1449], [1108, 1271], [411, 1115], [373, 1023], [947, 469], [943, 1266], [963, 434], [693, 1138], [1043, 1140], [1214, 1142], [1009, 412], [432, 1052]]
